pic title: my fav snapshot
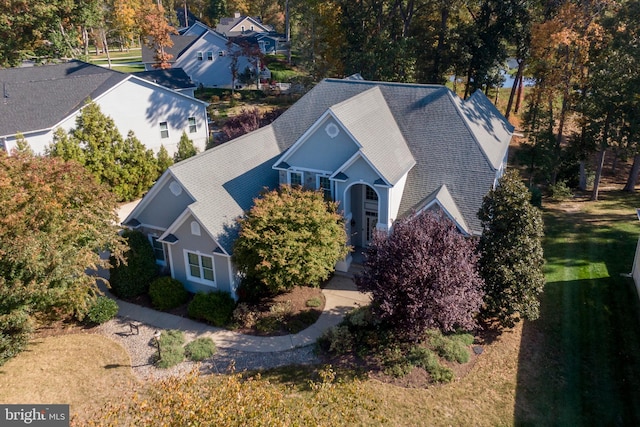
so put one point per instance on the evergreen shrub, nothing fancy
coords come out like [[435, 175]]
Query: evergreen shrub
[[214, 307], [102, 310], [167, 293], [131, 279]]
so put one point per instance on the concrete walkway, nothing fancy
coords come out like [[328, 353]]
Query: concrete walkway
[[341, 296]]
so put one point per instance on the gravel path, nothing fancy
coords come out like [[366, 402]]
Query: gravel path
[[140, 344]]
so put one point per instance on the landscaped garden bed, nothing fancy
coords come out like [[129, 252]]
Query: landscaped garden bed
[[284, 314]]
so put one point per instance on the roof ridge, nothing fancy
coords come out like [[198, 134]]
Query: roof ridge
[[390, 84], [478, 95], [219, 147], [457, 104]]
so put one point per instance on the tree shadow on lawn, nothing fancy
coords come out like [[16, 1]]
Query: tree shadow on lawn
[[579, 364]]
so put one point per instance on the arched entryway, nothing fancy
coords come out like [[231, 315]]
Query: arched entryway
[[364, 213]]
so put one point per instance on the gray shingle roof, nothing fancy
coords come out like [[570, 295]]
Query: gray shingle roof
[[453, 165], [224, 180], [444, 199], [38, 98], [369, 120], [173, 78], [489, 130], [226, 24], [180, 45], [438, 132]]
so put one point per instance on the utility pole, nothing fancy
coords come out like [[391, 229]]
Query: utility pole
[[287, 29], [186, 16]]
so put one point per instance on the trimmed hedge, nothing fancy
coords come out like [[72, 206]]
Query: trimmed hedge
[[200, 349], [171, 348], [215, 307], [167, 293], [102, 310], [133, 278]]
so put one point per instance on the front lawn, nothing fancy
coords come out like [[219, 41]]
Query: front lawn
[[83, 370], [579, 363]]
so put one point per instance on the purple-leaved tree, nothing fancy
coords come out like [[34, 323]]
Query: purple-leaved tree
[[423, 276]]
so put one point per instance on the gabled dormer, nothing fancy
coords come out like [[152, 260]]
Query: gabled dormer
[[358, 130]]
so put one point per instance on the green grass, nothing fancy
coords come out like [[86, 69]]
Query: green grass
[[134, 54], [579, 362]]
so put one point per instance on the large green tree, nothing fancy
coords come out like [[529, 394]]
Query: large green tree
[[511, 256], [186, 149], [54, 221], [163, 159], [125, 166], [290, 237]]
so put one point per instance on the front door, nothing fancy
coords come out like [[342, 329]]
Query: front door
[[370, 221], [370, 214]]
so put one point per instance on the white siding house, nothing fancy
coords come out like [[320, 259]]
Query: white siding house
[[38, 100]]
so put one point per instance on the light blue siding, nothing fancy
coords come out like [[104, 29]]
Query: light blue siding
[[204, 245], [321, 152], [164, 208]]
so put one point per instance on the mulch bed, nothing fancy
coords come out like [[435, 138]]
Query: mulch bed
[[299, 317]]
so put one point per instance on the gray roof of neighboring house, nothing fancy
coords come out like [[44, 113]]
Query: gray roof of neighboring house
[[38, 98], [180, 45], [439, 136], [173, 78], [224, 180], [226, 24]]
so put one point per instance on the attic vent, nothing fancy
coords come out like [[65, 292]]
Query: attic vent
[[175, 188], [332, 130]]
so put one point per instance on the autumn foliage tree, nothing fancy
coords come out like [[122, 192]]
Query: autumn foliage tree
[[511, 255], [290, 237], [423, 276], [54, 220], [248, 120], [157, 32]]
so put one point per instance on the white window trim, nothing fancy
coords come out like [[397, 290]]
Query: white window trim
[[210, 56], [166, 129], [200, 280], [200, 56], [290, 173], [319, 187], [164, 251], [195, 124]]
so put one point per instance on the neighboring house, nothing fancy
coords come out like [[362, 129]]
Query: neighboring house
[[38, 100], [382, 150], [203, 54], [251, 30], [268, 44], [173, 78], [230, 27]]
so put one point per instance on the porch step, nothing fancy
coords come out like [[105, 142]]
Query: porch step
[[353, 270]]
